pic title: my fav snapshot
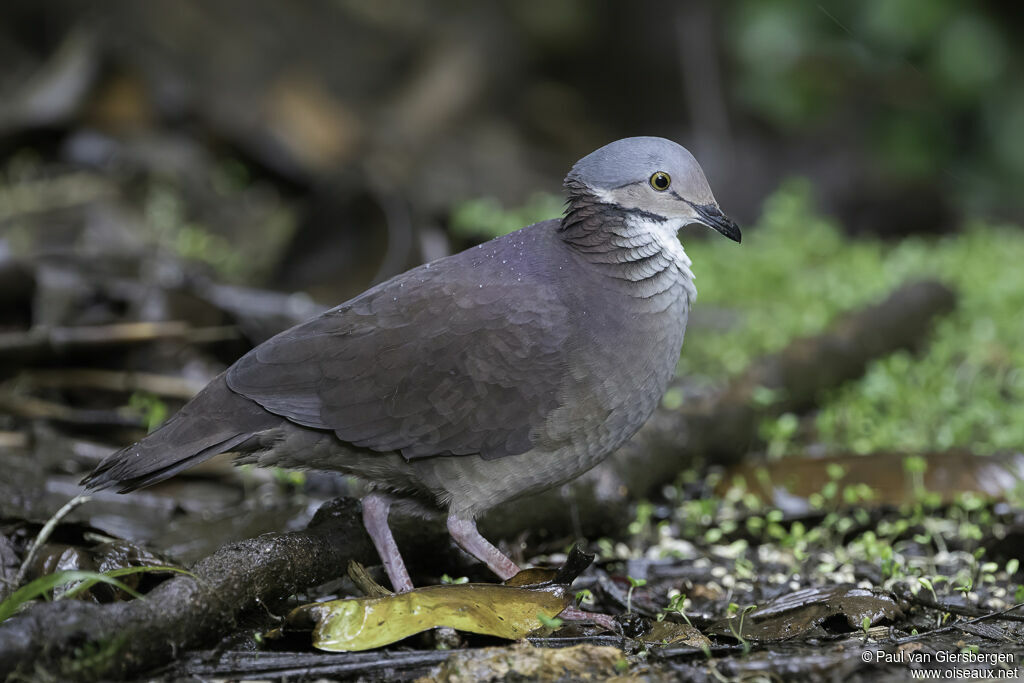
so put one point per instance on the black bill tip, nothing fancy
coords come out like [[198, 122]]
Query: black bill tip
[[712, 216]]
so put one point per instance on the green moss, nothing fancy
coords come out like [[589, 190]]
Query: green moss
[[796, 271], [486, 218]]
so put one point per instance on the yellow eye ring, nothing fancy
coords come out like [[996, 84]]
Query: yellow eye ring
[[660, 181]]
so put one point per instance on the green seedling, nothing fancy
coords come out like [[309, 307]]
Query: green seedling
[[44, 585], [737, 632], [633, 584], [552, 623]]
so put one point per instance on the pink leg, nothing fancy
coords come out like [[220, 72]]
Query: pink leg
[[469, 539], [375, 519], [464, 532]]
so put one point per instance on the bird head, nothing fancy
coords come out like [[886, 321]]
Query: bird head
[[652, 178]]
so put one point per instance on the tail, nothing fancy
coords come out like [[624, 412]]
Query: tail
[[213, 422]]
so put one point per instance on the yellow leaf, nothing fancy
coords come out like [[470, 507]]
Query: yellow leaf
[[489, 609]]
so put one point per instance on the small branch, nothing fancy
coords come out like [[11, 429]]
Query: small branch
[[374, 665], [37, 409], [167, 386], [44, 536], [958, 625], [925, 600], [43, 343], [188, 612]]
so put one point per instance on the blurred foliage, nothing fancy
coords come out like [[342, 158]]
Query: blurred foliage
[[165, 214], [933, 86], [167, 217], [149, 407], [796, 272], [486, 218]]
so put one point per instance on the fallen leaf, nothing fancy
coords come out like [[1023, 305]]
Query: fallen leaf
[[489, 609], [505, 611], [797, 613], [673, 633], [531, 576]]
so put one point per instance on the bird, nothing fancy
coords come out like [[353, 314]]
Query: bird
[[476, 379]]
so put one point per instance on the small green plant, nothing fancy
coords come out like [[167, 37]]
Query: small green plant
[[713, 535], [552, 623], [927, 583], [633, 584], [744, 569], [779, 434], [605, 549], [44, 585], [642, 521], [828, 497], [915, 466], [291, 478], [584, 596], [737, 631], [677, 604], [964, 583], [91, 659], [987, 572], [450, 581], [150, 407]]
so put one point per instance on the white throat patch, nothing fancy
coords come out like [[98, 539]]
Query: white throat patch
[[665, 234]]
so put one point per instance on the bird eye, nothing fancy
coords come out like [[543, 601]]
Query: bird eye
[[660, 181]]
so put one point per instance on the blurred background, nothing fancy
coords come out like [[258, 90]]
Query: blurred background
[[199, 174], [181, 179]]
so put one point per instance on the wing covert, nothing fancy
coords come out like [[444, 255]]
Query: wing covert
[[425, 364]]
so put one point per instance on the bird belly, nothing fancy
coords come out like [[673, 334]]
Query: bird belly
[[606, 401]]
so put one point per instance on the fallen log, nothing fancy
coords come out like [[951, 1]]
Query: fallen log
[[125, 638]]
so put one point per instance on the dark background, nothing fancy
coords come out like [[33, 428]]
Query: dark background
[[181, 179], [369, 123]]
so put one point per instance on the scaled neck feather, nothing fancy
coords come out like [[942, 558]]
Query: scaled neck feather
[[637, 248]]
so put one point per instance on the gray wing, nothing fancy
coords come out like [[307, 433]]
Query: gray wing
[[421, 365]]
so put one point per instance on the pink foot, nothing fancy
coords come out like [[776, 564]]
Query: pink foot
[[464, 532], [375, 519]]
